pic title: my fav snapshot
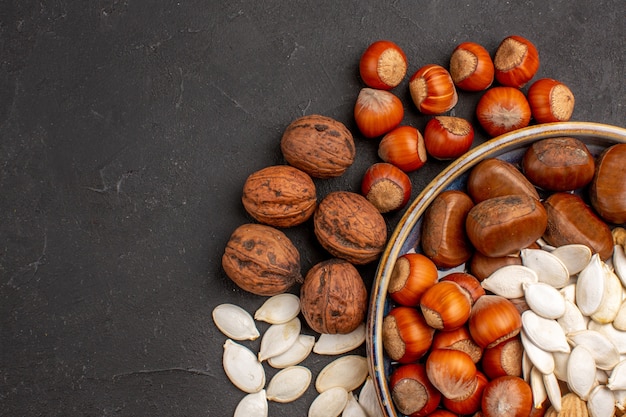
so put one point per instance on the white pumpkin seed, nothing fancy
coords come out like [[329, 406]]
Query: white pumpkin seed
[[545, 333], [527, 366], [289, 384], [252, 405], [590, 286], [620, 399], [235, 322], [601, 402], [618, 337], [574, 256], [572, 319], [604, 352], [279, 309], [537, 387], [581, 372], [560, 365], [329, 403], [368, 399], [348, 372], [553, 391], [353, 408], [544, 299], [507, 281], [602, 377], [540, 359], [620, 319], [278, 338], [569, 292], [617, 379], [611, 298], [336, 344], [619, 263], [549, 268], [242, 367], [298, 352]]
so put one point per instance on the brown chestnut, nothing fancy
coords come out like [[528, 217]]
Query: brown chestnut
[[558, 164], [608, 187], [503, 225], [494, 177], [443, 237], [570, 220]]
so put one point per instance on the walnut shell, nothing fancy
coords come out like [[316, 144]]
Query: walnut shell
[[350, 227], [261, 259], [280, 196], [333, 297], [318, 145]]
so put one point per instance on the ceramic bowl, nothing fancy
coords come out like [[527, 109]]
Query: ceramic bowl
[[406, 236]]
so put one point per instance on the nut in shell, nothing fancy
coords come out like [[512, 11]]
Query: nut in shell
[[280, 196], [261, 259], [350, 227], [333, 297], [318, 145]]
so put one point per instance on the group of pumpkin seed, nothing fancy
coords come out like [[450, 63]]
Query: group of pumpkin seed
[[284, 347], [575, 328]]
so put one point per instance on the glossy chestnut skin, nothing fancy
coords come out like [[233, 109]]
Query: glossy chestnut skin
[[494, 177], [503, 225], [443, 237], [558, 164], [608, 188], [571, 220], [482, 266]]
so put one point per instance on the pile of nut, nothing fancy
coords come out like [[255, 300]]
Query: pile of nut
[[513, 303], [261, 259]]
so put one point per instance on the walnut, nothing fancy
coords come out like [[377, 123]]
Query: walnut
[[350, 227], [280, 196], [318, 145], [333, 297], [262, 260]]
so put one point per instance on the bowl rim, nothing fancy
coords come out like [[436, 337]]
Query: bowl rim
[[490, 148]]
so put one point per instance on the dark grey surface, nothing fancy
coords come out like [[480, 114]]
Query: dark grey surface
[[127, 130]]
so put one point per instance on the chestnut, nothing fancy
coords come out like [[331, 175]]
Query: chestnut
[[503, 225], [494, 177], [558, 164], [443, 237], [571, 220], [608, 187]]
